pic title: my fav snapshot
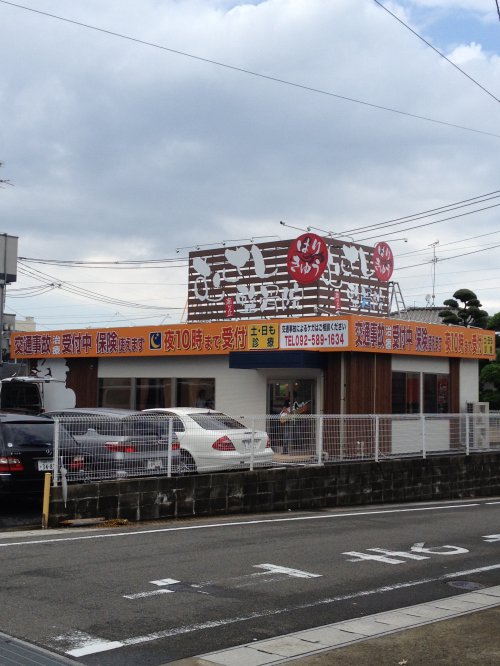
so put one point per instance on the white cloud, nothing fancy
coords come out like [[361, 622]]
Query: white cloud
[[123, 150]]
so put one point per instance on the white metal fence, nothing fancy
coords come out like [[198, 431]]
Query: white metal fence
[[153, 444]]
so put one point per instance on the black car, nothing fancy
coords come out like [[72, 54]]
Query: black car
[[27, 453]]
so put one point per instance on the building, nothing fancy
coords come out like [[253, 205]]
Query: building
[[254, 338]]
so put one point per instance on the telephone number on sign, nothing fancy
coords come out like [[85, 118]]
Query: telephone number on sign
[[313, 340]]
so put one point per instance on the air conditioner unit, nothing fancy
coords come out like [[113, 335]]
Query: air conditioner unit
[[479, 424]]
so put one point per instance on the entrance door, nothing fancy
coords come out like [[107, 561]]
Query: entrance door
[[301, 391]]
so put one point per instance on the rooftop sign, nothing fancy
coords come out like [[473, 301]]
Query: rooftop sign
[[301, 277]]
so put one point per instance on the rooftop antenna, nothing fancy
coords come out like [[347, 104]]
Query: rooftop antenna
[[434, 262]]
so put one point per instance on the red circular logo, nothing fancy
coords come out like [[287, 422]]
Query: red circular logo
[[307, 258], [383, 261]]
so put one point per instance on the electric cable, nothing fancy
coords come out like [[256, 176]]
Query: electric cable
[[437, 51], [249, 72]]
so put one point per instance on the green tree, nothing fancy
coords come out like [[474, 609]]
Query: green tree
[[466, 313], [489, 376]]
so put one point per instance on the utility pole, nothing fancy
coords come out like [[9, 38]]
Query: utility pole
[[8, 274], [434, 261]]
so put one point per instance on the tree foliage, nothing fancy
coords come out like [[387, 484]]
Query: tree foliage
[[464, 309], [489, 376]]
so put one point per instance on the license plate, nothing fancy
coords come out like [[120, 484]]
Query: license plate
[[45, 465], [247, 443], [155, 464]]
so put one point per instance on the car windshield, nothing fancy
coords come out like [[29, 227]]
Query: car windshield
[[216, 421], [29, 434]]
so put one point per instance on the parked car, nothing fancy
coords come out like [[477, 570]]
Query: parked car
[[27, 452], [211, 440], [122, 442]]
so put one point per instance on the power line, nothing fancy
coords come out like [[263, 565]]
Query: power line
[[461, 240], [427, 224], [498, 9], [126, 264], [437, 51], [85, 293], [481, 198], [252, 73], [456, 256]]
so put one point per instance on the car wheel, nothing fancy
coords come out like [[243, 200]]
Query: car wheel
[[187, 464]]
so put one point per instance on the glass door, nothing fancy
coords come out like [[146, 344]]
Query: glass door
[[298, 440], [300, 392]]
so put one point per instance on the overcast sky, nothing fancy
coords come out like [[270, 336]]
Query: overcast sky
[[119, 150]]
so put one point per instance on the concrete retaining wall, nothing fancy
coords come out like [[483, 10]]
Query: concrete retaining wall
[[280, 489]]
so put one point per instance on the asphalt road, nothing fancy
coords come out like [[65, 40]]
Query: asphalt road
[[152, 594]]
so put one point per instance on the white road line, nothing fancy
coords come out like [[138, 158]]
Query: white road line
[[162, 530], [153, 593], [332, 636], [294, 573], [143, 595], [187, 629]]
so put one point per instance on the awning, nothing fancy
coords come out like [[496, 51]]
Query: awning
[[277, 359]]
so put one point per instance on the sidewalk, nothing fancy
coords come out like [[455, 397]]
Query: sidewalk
[[459, 630]]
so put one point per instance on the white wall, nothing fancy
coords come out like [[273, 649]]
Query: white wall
[[469, 382], [420, 364], [237, 392]]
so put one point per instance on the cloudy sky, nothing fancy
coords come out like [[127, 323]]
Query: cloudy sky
[[132, 131]]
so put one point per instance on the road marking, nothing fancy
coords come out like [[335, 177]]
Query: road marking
[[187, 629], [83, 643], [143, 595], [392, 556], [360, 557], [238, 581], [153, 593], [491, 538], [164, 581], [294, 573], [162, 530], [492, 502], [437, 550]]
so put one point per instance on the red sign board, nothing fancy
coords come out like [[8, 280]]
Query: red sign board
[[307, 258]]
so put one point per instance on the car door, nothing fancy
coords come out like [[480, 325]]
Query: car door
[[31, 444]]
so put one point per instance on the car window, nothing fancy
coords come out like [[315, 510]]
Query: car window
[[216, 421], [144, 427], [29, 434], [177, 424], [21, 396]]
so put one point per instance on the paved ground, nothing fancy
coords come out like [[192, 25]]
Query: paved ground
[[470, 638]]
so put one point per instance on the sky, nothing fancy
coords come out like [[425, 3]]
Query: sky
[[132, 132]]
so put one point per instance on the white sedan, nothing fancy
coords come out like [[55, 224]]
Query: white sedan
[[212, 441]]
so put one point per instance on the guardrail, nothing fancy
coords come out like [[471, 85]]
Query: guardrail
[[153, 444]]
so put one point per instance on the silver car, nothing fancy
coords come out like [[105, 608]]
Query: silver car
[[123, 442]]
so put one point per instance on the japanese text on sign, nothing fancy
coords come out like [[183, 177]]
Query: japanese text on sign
[[314, 335]]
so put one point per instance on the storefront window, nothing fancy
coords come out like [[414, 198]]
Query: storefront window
[[115, 393], [151, 393], [436, 394], [196, 393], [406, 393]]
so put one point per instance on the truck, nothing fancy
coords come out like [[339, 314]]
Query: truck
[[30, 395]]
